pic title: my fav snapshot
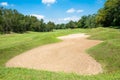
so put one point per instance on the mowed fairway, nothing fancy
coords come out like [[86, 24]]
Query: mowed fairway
[[66, 56]]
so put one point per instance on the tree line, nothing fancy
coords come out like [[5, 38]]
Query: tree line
[[108, 16], [13, 21]]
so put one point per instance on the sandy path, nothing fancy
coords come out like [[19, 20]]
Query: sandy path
[[67, 56]]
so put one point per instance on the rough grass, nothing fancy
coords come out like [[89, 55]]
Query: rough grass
[[28, 74], [14, 44], [107, 53]]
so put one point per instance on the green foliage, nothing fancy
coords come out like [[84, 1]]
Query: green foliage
[[50, 26], [13, 21], [91, 21], [81, 22], [109, 15], [87, 21], [108, 52], [28, 74], [61, 26], [71, 25]]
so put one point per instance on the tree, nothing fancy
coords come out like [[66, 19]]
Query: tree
[[90, 21], [81, 22], [71, 24], [60, 26], [50, 26], [1, 21], [13, 21], [36, 26], [109, 15]]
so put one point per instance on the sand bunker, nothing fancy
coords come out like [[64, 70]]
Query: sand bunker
[[66, 56]]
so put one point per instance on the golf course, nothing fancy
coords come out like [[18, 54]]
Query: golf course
[[106, 53], [60, 40]]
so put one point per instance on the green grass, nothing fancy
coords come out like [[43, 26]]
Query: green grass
[[28, 74], [14, 44], [107, 53]]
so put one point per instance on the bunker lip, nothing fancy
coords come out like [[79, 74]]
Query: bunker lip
[[73, 36], [67, 56]]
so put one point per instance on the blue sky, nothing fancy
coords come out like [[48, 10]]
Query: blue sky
[[58, 11]]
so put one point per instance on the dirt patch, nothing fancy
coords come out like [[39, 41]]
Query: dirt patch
[[66, 56]]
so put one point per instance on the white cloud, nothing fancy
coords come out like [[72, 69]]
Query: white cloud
[[38, 16], [73, 18], [72, 10], [62, 20], [48, 2], [79, 11], [4, 4]]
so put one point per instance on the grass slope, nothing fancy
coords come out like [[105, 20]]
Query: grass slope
[[14, 44], [107, 53]]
